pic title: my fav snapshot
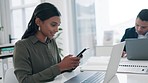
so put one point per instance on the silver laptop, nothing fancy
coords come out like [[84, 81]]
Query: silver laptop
[[98, 76], [137, 49]]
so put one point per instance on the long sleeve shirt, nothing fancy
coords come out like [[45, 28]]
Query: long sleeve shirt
[[35, 61]]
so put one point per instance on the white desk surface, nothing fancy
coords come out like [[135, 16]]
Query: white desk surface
[[119, 78], [100, 63]]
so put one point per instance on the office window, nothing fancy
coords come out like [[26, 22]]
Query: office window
[[20, 14], [116, 16], [85, 26], [97, 19], [1, 28], [0, 21]]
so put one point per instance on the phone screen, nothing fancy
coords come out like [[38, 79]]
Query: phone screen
[[80, 54]]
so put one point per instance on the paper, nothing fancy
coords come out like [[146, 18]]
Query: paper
[[95, 63]]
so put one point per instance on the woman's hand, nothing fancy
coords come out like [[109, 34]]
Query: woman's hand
[[69, 62]]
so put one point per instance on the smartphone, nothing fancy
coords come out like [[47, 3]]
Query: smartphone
[[80, 54]]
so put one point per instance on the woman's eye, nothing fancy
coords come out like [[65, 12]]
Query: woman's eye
[[53, 24]]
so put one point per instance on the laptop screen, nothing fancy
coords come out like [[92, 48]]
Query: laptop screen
[[137, 49]]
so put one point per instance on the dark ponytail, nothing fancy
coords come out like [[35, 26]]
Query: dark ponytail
[[43, 11]]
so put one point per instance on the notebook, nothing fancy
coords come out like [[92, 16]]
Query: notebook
[[137, 49], [98, 76]]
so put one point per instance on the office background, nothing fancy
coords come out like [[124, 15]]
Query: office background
[[85, 23]]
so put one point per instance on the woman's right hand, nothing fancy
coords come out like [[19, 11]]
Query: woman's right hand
[[69, 62]]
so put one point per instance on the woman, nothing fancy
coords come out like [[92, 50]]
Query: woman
[[36, 56]]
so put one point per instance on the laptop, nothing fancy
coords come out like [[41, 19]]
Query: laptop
[[101, 76], [137, 49]]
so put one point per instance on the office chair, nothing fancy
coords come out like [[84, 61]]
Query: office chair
[[10, 76]]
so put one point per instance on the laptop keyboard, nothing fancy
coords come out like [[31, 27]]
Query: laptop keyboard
[[95, 78]]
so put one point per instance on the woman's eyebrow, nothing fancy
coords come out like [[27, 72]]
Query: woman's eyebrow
[[56, 22]]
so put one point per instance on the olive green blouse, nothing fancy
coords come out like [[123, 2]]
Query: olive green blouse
[[35, 61]]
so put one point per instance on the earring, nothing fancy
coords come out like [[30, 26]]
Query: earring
[[39, 28]]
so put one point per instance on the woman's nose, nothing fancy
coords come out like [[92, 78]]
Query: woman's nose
[[56, 29]]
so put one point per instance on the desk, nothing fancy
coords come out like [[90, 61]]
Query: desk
[[100, 63], [119, 78], [129, 78], [65, 76]]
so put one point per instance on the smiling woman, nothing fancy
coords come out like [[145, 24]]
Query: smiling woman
[[36, 55], [47, 28]]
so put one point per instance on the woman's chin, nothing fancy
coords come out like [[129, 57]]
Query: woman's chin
[[50, 37]]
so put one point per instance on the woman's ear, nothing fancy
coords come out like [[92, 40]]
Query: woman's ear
[[37, 21]]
